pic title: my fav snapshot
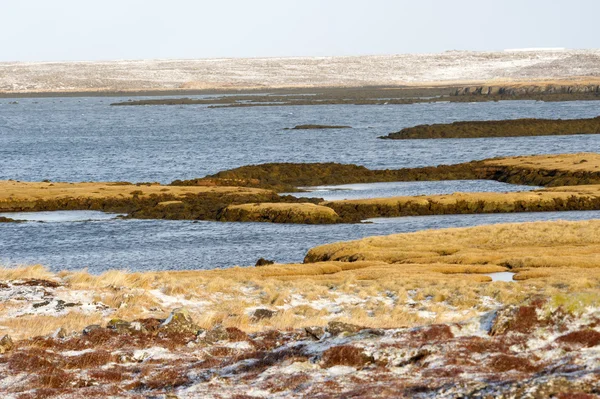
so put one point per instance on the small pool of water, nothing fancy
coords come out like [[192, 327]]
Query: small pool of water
[[396, 189], [502, 276], [60, 216]]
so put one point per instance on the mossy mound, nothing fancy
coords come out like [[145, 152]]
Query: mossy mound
[[280, 213]]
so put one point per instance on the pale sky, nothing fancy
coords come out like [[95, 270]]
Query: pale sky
[[52, 30]]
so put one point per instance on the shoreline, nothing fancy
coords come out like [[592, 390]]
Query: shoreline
[[250, 193]]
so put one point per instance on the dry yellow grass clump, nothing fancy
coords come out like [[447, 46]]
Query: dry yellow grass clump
[[578, 162]]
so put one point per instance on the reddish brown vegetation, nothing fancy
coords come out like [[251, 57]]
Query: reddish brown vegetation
[[586, 338], [345, 355], [433, 333], [503, 363]]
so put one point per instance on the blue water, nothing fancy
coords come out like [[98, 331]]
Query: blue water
[[172, 245], [85, 139], [396, 189]]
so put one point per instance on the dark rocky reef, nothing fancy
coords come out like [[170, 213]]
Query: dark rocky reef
[[501, 128], [318, 127], [382, 96], [287, 177], [9, 220], [547, 91]]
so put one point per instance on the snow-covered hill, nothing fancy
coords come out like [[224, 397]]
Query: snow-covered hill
[[449, 67]]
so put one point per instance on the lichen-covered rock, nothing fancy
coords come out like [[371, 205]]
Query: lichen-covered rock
[[315, 332], [91, 328], [338, 327], [261, 314], [180, 321], [124, 327], [216, 334], [6, 344]]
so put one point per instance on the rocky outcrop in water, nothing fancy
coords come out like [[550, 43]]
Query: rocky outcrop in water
[[523, 90], [500, 128], [318, 127]]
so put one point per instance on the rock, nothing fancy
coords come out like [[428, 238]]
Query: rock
[[61, 305], [315, 332], [180, 321], [6, 344], [89, 329], [40, 304], [278, 212], [312, 127], [338, 327], [521, 319], [59, 334], [216, 334], [122, 326], [264, 262], [261, 314], [9, 220]]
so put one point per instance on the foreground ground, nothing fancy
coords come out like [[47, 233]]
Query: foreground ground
[[408, 315]]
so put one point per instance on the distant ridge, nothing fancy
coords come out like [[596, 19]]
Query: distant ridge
[[449, 68]]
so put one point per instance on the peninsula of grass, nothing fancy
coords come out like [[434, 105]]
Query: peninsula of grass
[[250, 193]]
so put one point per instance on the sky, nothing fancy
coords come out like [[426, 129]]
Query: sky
[[55, 30]]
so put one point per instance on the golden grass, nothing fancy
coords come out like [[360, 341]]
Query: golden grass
[[551, 244], [583, 161], [31, 191], [491, 200], [443, 270], [36, 325]]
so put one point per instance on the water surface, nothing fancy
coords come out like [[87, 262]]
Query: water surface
[[85, 139], [172, 245], [395, 189]]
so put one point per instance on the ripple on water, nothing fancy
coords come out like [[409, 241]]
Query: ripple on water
[[171, 245]]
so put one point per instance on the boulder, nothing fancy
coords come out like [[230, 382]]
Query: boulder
[[315, 332], [89, 329], [59, 334], [6, 344], [180, 321], [123, 327], [216, 334], [264, 262], [338, 327], [261, 314]]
